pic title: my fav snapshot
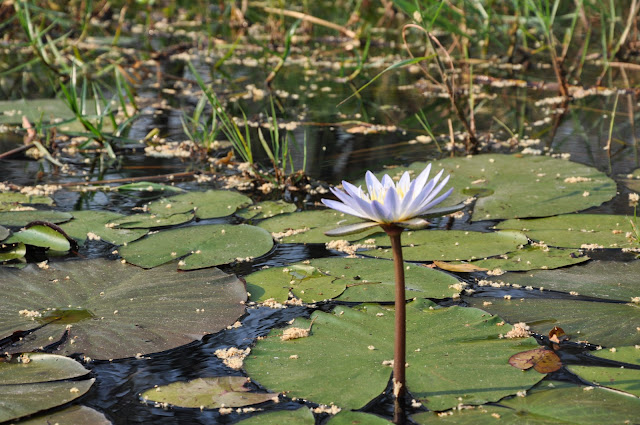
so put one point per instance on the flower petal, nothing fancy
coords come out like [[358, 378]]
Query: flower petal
[[381, 213], [427, 202], [435, 202], [373, 184], [424, 194], [392, 204], [415, 223], [349, 201], [438, 212], [339, 206], [422, 178], [351, 229]]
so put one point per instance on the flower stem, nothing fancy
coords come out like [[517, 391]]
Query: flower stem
[[399, 352]]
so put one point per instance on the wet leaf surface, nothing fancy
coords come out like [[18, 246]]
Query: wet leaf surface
[[210, 393], [301, 416], [116, 310], [22, 218], [81, 415], [266, 209], [209, 204], [347, 417], [97, 223], [533, 257], [21, 198], [620, 378], [149, 221], [452, 353]]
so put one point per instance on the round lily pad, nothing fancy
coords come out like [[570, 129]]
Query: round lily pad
[[96, 222], [607, 324], [309, 226], [577, 230], [41, 236], [301, 416], [70, 415], [33, 382], [550, 403], [22, 218], [149, 221], [348, 279], [210, 393], [521, 186], [454, 356], [209, 204], [610, 280], [21, 198], [619, 378], [349, 417], [449, 245], [266, 209], [199, 246], [531, 257], [114, 309]]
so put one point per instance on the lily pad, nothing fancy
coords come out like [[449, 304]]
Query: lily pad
[[116, 310], [34, 382], [454, 356], [301, 416], [22, 218], [147, 187], [550, 404], [70, 415], [607, 324], [201, 246], [12, 252], [619, 378], [525, 186], [449, 245], [209, 204], [348, 417], [210, 393], [266, 209], [41, 236], [21, 198], [11, 111], [576, 230], [149, 221], [309, 226], [610, 280], [348, 279], [86, 222], [531, 257]]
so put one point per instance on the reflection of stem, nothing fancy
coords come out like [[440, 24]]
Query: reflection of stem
[[399, 351]]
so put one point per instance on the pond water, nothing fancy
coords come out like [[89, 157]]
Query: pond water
[[373, 130]]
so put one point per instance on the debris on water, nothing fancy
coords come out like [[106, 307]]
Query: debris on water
[[233, 356]]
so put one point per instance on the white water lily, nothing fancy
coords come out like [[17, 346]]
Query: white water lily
[[389, 203]]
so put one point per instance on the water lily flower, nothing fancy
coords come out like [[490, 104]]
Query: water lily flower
[[402, 204]]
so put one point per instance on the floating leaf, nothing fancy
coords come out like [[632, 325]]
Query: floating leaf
[[342, 359], [348, 279], [449, 245], [203, 246], [347, 417], [4, 232], [458, 267], [13, 252], [210, 393], [576, 230], [532, 257], [301, 416], [117, 310], [70, 415], [26, 385], [149, 221], [541, 359], [607, 324], [620, 378], [41, 235], [21, 198], [209, 204], [550, 403], [609, 280], [309, 226], [266, 209], [22, 218], [86, 222], [147, 187]]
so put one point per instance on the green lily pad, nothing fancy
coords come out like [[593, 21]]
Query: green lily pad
[[210, 393], [301, 416], [449, 245], [70, 415], [349, 417], [4, 233], [147, 187], [86, 222], [27, 387], [14, 252], [348, 279], [116, 310], [532, 257], [524, 186], [549, 404], [576, 230], [149, 221], [607, 324], [21, 198], [201, 246], [22, 218], [610, 280], [209, 204], [266, 209], [309, 226], [619, 378], [454, 356], [42, 236]]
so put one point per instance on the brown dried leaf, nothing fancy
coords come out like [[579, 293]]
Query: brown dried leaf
[[541, 359]]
